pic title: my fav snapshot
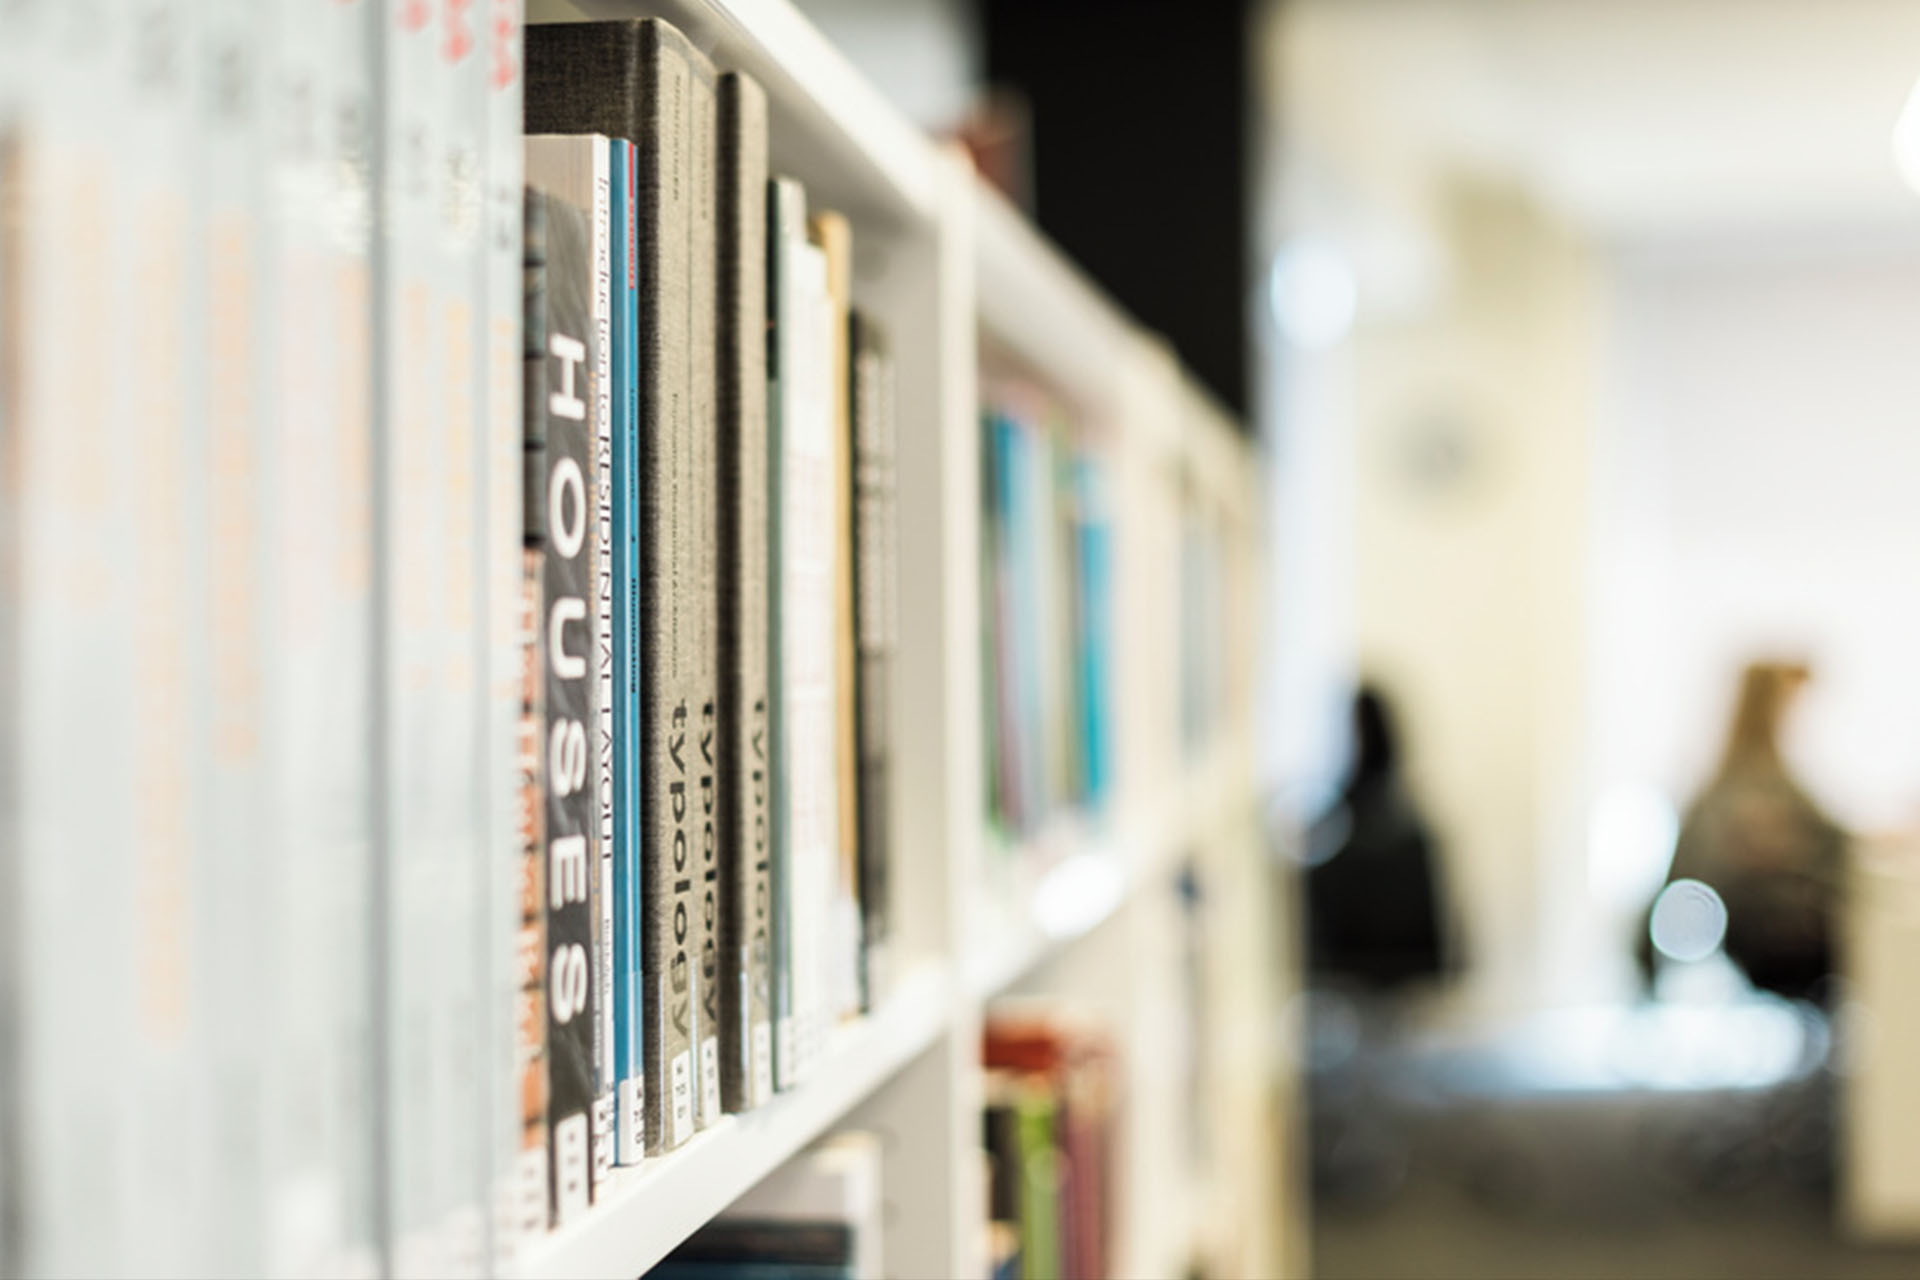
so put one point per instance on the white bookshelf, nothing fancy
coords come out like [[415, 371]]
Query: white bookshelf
[[966, 286]]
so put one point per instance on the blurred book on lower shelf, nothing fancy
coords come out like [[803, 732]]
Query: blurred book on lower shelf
[[1050, 1137], [1046, 614], [817, 1217]]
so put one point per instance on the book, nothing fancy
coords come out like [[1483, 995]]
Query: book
[[532, 1194], [233, 268], [67, 451], [1052, 1085], [634, 80], [1048, 617], [703, 599], [568, 171], [744, 1249], [806, 815], [464, 1194], [318, 1132], [507, 753], [746, 829], [876, 628], [1025, 1172], [834, 236], [786, 236], [628, 984]]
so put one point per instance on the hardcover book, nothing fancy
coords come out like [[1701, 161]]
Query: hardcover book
[[635, 80], [703, 111], [629, 1028], [746, 835], [506, 749], [834, 236], [532, 1194], [786, 237], [876, 625], [568, 172]]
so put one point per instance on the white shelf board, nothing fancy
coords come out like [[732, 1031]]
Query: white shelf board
[[1046, 313], [1223, 461], [1092, 871], [650, 1209], [829, 126]]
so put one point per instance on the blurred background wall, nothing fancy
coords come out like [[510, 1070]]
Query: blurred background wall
[[1606, 310]]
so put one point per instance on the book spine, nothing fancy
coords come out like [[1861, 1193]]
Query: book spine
[[746, 1034], [602, 659], [67, 443], [630, 1110], [704, 595], [834, 236], [13, 964], [353, 28], [569, 358], [532, 1213], [463, 1193], [235, 268], [669, 691], [155, 261], [318, 1132], [409, 497], [809, 652], [510, 938], [786, 236], [875, 626]]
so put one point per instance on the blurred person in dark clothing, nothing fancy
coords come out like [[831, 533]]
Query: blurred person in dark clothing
[[1756, 838], [1372, 891]]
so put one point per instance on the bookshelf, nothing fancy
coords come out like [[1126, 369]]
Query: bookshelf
[[1083, 909], [972, 292]]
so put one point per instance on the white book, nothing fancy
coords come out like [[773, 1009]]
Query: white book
[[808, 655], [463, 1193], [72, 821], [316, 1114], [233, 270], [517, 1170], [171, 1103], [418, 790]]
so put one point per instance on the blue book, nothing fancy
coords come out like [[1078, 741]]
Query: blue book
[[1096, 607], [628, 1034]]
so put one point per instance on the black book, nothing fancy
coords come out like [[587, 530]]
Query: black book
[[636, 79], [562, 509], [875, 625], [746, 835], [533, 1185], [782, 1241]]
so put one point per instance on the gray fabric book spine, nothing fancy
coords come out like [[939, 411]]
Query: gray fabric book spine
[[875, 625], [713, 785], [746, 1027], [633, 79]]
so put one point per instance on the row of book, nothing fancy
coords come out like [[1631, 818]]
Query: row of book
[[709, 499], [445, 616], [1050, 1132], [1049, 1140], [1046, 614]]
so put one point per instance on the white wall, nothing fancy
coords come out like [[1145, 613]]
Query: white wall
[[1474, 431], [1759, 491]]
